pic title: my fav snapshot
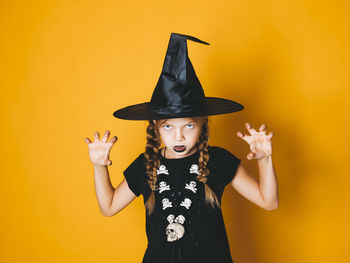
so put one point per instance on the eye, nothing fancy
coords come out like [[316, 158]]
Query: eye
[[166, 127], [189, 126]]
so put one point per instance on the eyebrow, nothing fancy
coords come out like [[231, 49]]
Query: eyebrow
[[162, 122], [186, 123]]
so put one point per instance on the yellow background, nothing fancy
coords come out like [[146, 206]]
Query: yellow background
[[67, 65]]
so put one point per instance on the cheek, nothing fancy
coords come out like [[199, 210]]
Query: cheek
[[164, 136], [195, 135]]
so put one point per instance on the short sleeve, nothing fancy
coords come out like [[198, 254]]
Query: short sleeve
[[226, 164], [231, 165], [133, 175]]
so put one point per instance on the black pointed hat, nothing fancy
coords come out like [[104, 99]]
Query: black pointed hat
[[178, 93]]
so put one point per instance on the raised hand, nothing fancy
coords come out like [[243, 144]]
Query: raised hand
[[99, 149], [259, 143]]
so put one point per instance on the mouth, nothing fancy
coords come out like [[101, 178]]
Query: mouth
[[179, 148]]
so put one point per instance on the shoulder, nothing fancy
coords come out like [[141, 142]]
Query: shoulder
[[141, 158], [137, 163], [135, 174], [216, 149], [219, 153], [222, 165]]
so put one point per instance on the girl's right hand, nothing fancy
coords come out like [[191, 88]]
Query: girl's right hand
[[99, 149]]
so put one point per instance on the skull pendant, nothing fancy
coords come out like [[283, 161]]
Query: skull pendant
[[174, 231]]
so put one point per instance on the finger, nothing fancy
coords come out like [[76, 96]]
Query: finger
[[262, 127], [250, 156], [113, 140], [105, 137], [96, 136], [269, 136], [240, 134], [250, 128], [87, 140], [109, 162], [243, 136]]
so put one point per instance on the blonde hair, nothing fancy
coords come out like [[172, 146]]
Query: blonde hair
[[151, 154]]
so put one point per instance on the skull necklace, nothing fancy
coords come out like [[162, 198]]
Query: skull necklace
[[175, 230]]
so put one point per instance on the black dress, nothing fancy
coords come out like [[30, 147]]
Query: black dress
[[181, 196]]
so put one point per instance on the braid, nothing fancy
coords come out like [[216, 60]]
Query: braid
[[203, 153], [210, 196], [151, 154]]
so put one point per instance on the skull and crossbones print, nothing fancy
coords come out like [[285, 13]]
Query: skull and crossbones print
[[191, 186], [175, 229], [194, 169], [166, 203], [186, 203], [162, 170], [163, 186]]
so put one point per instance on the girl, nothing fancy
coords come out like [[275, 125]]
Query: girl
[[182, 183]]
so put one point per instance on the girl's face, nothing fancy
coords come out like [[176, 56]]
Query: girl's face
[[180, 136]]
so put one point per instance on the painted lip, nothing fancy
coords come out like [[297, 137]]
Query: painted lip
[[179, 148]]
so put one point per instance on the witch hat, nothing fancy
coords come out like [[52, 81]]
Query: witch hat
[[178, 93]]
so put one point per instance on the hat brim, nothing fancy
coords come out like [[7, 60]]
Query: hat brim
[[214, 106]]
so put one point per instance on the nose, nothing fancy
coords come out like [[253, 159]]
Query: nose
[[179, 135]]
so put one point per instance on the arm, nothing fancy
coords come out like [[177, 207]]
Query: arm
[[110, 200], [265, 192]]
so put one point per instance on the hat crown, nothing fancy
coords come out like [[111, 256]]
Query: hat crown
[[178, 86], [178, 93]]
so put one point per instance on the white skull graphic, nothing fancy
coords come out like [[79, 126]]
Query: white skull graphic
[[174, 231], [162, 170], [180, 219], [163, 186], [166, 203], [170, 218], [194, 169], [186, 203], [192, 186]]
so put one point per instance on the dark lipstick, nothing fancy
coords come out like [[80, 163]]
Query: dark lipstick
[[179, 148]]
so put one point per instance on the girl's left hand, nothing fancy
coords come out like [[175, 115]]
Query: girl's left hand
[[259, 142]]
